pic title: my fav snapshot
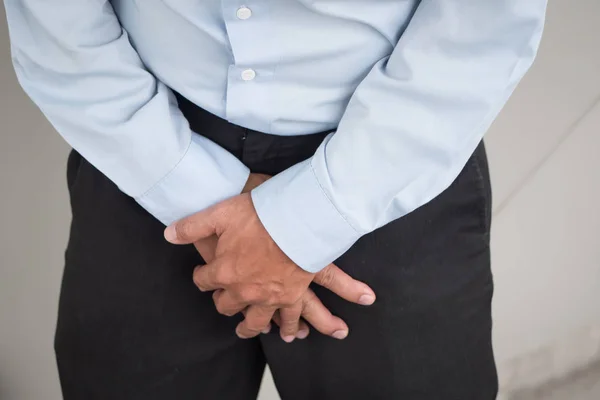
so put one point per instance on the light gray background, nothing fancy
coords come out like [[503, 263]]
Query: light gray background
[[544, 153]]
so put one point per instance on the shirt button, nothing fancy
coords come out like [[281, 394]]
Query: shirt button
[[248, 74], [244, 12]]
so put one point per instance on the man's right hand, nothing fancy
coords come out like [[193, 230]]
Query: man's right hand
[[309, 307], [206, 247]]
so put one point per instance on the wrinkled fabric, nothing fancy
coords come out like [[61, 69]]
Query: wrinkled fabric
[[409, 86]]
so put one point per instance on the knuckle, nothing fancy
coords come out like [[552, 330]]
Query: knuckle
[[277, 291], [201, 288], [276, 295], [223, 309], [199, 284], [237, 296], [308, 305], [254, 326], [289, 300], [244, 333], [221, 213], [326, 277], [272, 302], [247, 295], [222, 275], [227, 312], [278, 301]]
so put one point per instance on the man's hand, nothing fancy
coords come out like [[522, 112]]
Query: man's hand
[[311, 309], [207, 247], [248, 265], [309, 306]]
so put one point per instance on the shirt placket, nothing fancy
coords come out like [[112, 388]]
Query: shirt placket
[[250, 31]]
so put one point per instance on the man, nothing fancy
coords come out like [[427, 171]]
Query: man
[[278, 137]]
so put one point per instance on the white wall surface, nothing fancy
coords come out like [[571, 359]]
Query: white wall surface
[[546, 236]]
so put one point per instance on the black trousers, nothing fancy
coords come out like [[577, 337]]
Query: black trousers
[[132, 325]]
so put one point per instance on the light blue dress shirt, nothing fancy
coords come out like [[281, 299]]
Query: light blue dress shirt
[[411, 87]]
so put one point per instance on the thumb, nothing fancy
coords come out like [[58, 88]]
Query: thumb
[[342, 284], [193, 228]]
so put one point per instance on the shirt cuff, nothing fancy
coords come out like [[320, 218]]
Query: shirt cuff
[[207, 174], [301, 219]]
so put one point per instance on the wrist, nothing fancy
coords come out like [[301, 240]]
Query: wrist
[[253, 181]]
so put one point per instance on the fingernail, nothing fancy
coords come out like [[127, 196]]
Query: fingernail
[[340, 334], [267, 330], [302, 334], [289, 339], [366, 299], [171, 234]]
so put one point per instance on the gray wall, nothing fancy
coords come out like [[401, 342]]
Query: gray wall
[[546, 171]]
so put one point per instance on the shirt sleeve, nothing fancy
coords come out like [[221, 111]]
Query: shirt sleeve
[[409, 128], [75, 61]]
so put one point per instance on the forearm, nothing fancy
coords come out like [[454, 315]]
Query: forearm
[[409, 128], [76, 63]]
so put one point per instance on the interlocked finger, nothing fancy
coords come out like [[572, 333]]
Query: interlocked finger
[[205, 276], [290, 321], [257, 319], [226, 304], [316, 314]]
